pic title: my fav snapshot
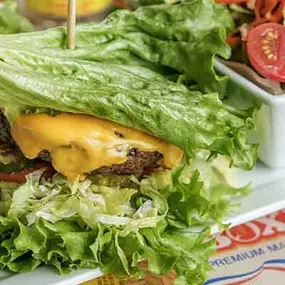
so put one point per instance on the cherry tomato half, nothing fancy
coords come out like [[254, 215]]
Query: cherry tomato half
[[266, 50]]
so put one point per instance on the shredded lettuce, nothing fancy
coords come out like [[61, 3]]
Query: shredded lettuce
[[58, 200]]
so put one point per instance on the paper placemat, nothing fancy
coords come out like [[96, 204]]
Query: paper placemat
[[249, 254]]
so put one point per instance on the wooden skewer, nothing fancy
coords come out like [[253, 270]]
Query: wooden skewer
[[71, 23]]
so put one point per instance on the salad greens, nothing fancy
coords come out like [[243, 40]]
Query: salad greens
[[88, 225], [248, 17], [11, 22], [152, 70]]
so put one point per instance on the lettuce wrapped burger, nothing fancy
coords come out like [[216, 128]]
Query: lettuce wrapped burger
[[110, 152]]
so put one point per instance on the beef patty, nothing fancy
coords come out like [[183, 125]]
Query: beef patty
[[5, 134], [138, 163]]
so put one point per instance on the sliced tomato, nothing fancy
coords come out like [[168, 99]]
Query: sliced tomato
[[20, 177], [266, 50]]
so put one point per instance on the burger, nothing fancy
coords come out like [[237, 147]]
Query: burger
[[119, 151]]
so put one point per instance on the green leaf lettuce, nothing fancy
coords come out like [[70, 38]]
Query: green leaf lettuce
[[73, 225], [170, 39], [132, 96]]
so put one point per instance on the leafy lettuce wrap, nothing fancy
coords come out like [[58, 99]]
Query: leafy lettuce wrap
[[119, 151]]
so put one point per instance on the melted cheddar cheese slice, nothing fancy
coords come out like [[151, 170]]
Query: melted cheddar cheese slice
[[79, 144]]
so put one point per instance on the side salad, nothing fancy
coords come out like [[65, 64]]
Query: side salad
[[258, 42]]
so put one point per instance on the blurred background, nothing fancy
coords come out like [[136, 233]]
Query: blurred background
[[49, 13]]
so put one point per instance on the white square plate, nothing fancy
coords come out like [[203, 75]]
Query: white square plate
[[270, 118]]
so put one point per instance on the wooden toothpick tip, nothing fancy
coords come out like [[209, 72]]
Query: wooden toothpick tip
[[71, 23]]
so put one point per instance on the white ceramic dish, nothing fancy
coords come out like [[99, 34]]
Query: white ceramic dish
[[268, 195], [270, 119]]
